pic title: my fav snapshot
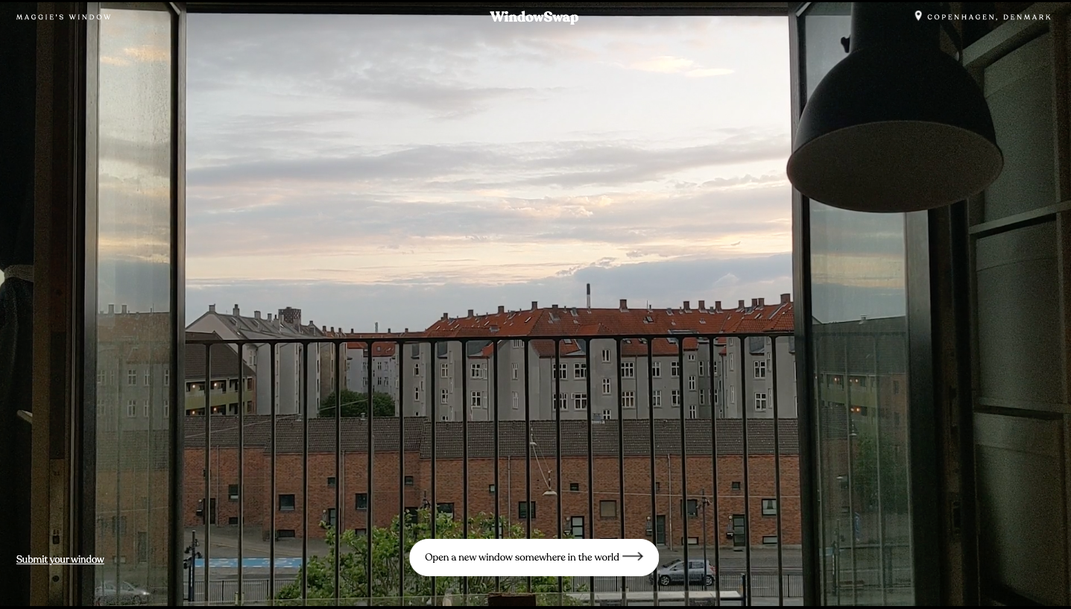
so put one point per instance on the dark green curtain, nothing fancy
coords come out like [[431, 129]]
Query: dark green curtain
[[17, 102]]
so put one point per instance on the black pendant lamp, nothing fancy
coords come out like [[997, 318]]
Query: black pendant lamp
[[897, 125]]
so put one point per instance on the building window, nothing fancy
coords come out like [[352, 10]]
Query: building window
[[556, 399], [330, 517], [580, 371], [574, 487], [693, 508], [607, 387], [147, 377], [167, 377], [608, 509], [526, 509], [514, 372], [628, 370], [702, 397], [656, 370], [232, 492], [675, 396], [444, 396], [674, 369], [606, 356], [416, 394], [167, 408], [517, 344], [769, 540], [409, 481], [131, 409], [693, 412], [445, 508], [607, 415], [730, 362], [360, 501], [692, 383], [561, 371], [732, 395], [735, 485], [416, 369], [491, 489], [580, 401], [444, 371], [331, 482], [286, 503], [769, 507], [714, 368], [476, 400], [233, 520], [145, 409], [691, 357], [131, 377], [702, 368], [760, 369], [656, 398], [516, 401], [628, 399], [714, 398], [379, 366], [760, 401], [477, 371]]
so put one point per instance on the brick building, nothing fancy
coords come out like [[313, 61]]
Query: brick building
[[395, 490]]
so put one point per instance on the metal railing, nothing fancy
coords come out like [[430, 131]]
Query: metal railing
[[707, 425]]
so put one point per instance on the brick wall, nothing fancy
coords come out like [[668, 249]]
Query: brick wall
[[385, 499]]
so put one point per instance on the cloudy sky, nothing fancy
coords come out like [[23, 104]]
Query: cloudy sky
[[391, 168]]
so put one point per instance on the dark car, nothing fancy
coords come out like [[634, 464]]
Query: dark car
[[127, 594], [699, 572]]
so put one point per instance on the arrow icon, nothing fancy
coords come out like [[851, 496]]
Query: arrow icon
[[637, 556]]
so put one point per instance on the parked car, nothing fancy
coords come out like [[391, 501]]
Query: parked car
[[127, 594], [699, 572]]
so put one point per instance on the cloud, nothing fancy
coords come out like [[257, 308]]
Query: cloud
[[667, 64], [148, 53]]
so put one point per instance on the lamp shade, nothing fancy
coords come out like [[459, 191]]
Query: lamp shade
[[896, 126]]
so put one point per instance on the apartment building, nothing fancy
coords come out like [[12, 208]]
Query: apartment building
[[222, 388], [294, 371]]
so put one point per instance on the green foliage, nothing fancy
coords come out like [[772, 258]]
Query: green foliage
[[387, 577], [356, 404], [893, 489]]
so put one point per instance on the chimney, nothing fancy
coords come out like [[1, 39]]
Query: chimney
[[687, 305], [269, 317], [407, 330], [535, 305], [377, 332], [624, 304], [740, 304], [717, 305], [446, 316], [332, 329], [124, 309], [235, 311], [702, 305], [111, 309], [501, 309], [470, 313], [211, 308], [256, 314], [351, 330], [388, 330], [323, 328], [786, 298], [754, 302], [554, 306], [589, 295], [762, 302]]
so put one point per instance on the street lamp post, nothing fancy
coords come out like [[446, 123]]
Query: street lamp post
[[704, 504], [191, 563]]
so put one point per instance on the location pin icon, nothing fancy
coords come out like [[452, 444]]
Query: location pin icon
[[918, 15]]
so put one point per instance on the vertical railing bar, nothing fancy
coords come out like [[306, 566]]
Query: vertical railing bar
[[851, 488], [591, 465], [714, 471], [619, 391], [684, 470], [877, 447], [654, 482], [747, 492], [558, 447], [777, 471], [434, 348], [339, 467], [494, 401], [464, 460], [274, 485], [402, 537], [207, 507], [369, 520], [241, 471], [304, 397], [528, 451]]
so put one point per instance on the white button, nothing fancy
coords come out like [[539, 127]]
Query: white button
[[533, 557]]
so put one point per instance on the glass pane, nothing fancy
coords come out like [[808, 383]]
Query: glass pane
[[134, 294], [859, 305]]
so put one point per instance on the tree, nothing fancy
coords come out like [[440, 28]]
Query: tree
[[356, 404], [353, 580]]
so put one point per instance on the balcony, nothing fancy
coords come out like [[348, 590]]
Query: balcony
[[280, 486]]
